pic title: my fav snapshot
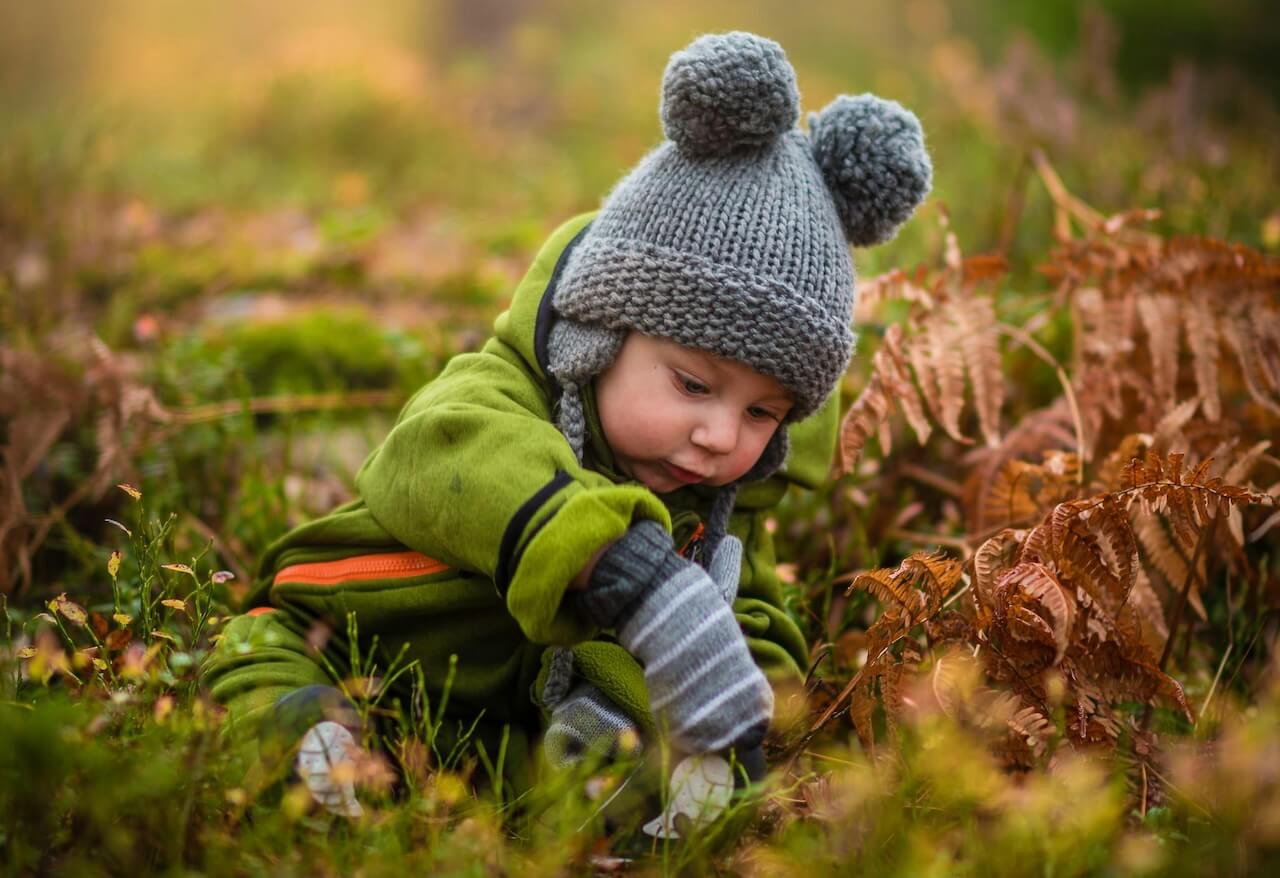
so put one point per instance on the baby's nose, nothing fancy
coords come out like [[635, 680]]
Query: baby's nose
[[717, 432]]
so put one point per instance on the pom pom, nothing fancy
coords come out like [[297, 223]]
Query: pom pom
[[728, 92], [871, 153]]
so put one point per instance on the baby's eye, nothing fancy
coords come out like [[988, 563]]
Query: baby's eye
[[692, 386], [757, 413]]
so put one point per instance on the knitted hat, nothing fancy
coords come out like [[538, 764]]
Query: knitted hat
[[732, 236]]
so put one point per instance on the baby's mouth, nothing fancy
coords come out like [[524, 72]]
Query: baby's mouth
[[689, 477]]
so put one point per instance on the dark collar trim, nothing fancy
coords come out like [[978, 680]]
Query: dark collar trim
[[546, 313]]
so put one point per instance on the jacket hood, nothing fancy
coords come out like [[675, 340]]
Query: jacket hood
[[526, 324]]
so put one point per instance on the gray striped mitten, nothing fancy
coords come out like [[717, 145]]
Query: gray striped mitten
[[671, 616], [586, 720]]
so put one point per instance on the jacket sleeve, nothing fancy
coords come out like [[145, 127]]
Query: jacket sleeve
[[476, 475], [776, 641]]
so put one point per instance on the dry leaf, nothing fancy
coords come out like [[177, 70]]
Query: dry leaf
[[131, 491], [114, 523], [72, 611]]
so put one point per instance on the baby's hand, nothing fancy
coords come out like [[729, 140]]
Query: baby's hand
[[726, 567], [669, 614]]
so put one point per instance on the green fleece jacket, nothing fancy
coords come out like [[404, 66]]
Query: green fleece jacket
[[476, 476]]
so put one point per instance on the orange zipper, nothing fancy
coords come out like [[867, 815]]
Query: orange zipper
[[361, 568], [693, 540]]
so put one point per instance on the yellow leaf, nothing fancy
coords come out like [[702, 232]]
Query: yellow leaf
[[71, 610], [122, 619], [99, 664], [164, 707], [131, 491], [27, 652], [175, 604], [113, 564], [179, 568]]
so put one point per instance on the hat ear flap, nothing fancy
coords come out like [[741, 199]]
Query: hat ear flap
[[872, 156]]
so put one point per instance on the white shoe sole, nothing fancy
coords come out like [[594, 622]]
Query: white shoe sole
[[325, 746]]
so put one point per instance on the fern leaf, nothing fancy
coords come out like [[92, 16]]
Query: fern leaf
[[1160, 552], [979, 345], [991, 560], [889, 586], [945, 362], [1202, 337], [898, 381], [1169, 430], [1038, 583], [936, 572], [1110, 525], [1009, 499], [1150, 614], [1159, 313], [1239, 334], [867, 413], [1243, 465]]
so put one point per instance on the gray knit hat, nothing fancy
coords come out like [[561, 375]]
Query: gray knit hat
[[733, 235]]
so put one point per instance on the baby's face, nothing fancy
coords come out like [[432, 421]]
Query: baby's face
[[677, 416]]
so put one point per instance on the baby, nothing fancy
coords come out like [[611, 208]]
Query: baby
[[577, 511]]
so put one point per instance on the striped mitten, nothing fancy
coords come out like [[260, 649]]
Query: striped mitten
[[672, 617], [586, 720]]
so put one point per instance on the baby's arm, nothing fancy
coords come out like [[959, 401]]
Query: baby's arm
[[476, 474]]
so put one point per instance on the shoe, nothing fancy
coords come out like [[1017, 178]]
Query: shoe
[[327, 764]]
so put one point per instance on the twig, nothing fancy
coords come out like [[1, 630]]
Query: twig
[[956, 596], [1066, 202], [835, 705], [1036, 348], [234, 561], [1014, 202], [932, 479], [1143, 810], [289, 404], [912, 536], [830, 758], [1178, 609], [1213, 688]]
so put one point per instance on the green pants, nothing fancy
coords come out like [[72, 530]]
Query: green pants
[[265, 655]]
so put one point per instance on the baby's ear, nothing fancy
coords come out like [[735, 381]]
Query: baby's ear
[[872, 157]]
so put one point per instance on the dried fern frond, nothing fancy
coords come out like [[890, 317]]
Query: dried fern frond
[[949, 332], [979, 343], [1159, 313], [991, 560], [890, 382], [937, 356], [917, 586], [1029, 584], [1188, 502]]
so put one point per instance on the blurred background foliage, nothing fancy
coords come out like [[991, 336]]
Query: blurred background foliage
[[246, 199], [235, 236]]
